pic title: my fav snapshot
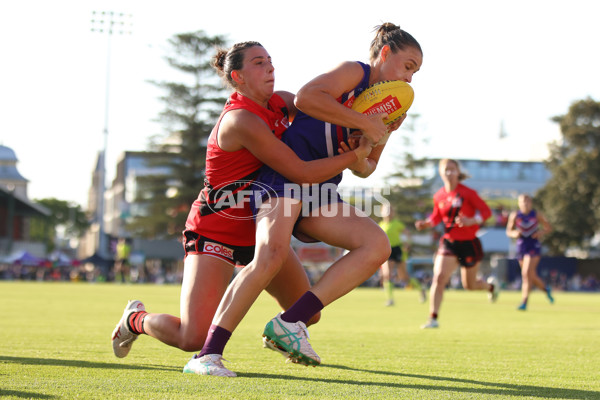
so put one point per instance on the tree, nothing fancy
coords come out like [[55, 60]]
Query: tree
[[66, 221], [191, 110], [571, 198]]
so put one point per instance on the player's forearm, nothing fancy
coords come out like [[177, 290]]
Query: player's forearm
[[316, 171]]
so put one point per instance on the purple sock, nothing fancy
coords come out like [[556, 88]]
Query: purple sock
[[303, 309], [216, 340]]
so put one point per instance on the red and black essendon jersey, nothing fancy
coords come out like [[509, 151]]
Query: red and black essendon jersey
[[229, 172], [462, 201]]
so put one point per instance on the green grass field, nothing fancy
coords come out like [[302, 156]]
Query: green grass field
[[55, 344]]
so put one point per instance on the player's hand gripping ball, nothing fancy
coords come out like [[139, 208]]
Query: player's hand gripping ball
[[391, 97]]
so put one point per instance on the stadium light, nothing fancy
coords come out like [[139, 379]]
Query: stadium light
[[109, 23]]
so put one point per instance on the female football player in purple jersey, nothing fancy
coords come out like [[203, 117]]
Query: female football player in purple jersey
[[528, 226], [322, 125]]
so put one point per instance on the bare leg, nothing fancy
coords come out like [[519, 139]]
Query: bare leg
[[443, 268], [205, 279], [118, 271], [525, 283], [530, 277], [273, 232], [290, 284], [470, 281], [387, 281], [402, 273], [387, 271], [532, 272], [351, 229]]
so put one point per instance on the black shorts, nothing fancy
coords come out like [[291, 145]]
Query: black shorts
[[396, 254], [468, 252], [193, 243]]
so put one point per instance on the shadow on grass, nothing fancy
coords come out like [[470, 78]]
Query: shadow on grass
[[488, 388], [83, 364], [25, 395]]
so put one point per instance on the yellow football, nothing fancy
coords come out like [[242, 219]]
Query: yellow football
[[391, 97]]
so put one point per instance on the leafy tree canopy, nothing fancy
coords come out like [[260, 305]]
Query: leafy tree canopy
[[70, 219], [191, 110], [571, 198]]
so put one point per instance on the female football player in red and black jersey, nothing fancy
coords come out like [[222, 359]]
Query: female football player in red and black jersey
[[219, 235], [462, 211]]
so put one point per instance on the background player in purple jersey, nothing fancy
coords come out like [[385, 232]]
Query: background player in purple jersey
[[315, 133], [528, 226]]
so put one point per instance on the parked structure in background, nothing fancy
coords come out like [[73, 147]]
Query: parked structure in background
[[16, 209], [160, 260], [494, 179], [119, 206], [91, 243]]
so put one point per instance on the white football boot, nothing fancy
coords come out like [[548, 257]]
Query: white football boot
[[122, 337]]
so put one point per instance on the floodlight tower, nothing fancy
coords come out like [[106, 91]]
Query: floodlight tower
[[109, 23]]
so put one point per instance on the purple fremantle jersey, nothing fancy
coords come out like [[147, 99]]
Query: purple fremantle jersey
[[527, 225], [312, 139]]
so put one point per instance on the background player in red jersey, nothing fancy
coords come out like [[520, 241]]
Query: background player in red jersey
[[528, 225], [462, 211], [246, 136]]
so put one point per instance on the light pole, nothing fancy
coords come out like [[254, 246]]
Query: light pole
[[109, 23]]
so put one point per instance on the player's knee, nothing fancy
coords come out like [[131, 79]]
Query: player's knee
[[271, 257], [440, 280], [192, 340], [378, 246]]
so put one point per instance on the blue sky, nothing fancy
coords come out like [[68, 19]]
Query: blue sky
[[516, 63]]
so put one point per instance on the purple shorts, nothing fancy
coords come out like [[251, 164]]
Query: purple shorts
[[314, 196], [528, 246]]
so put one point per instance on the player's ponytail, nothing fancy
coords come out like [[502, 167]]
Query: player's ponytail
[[391, 35], [218, 61]]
